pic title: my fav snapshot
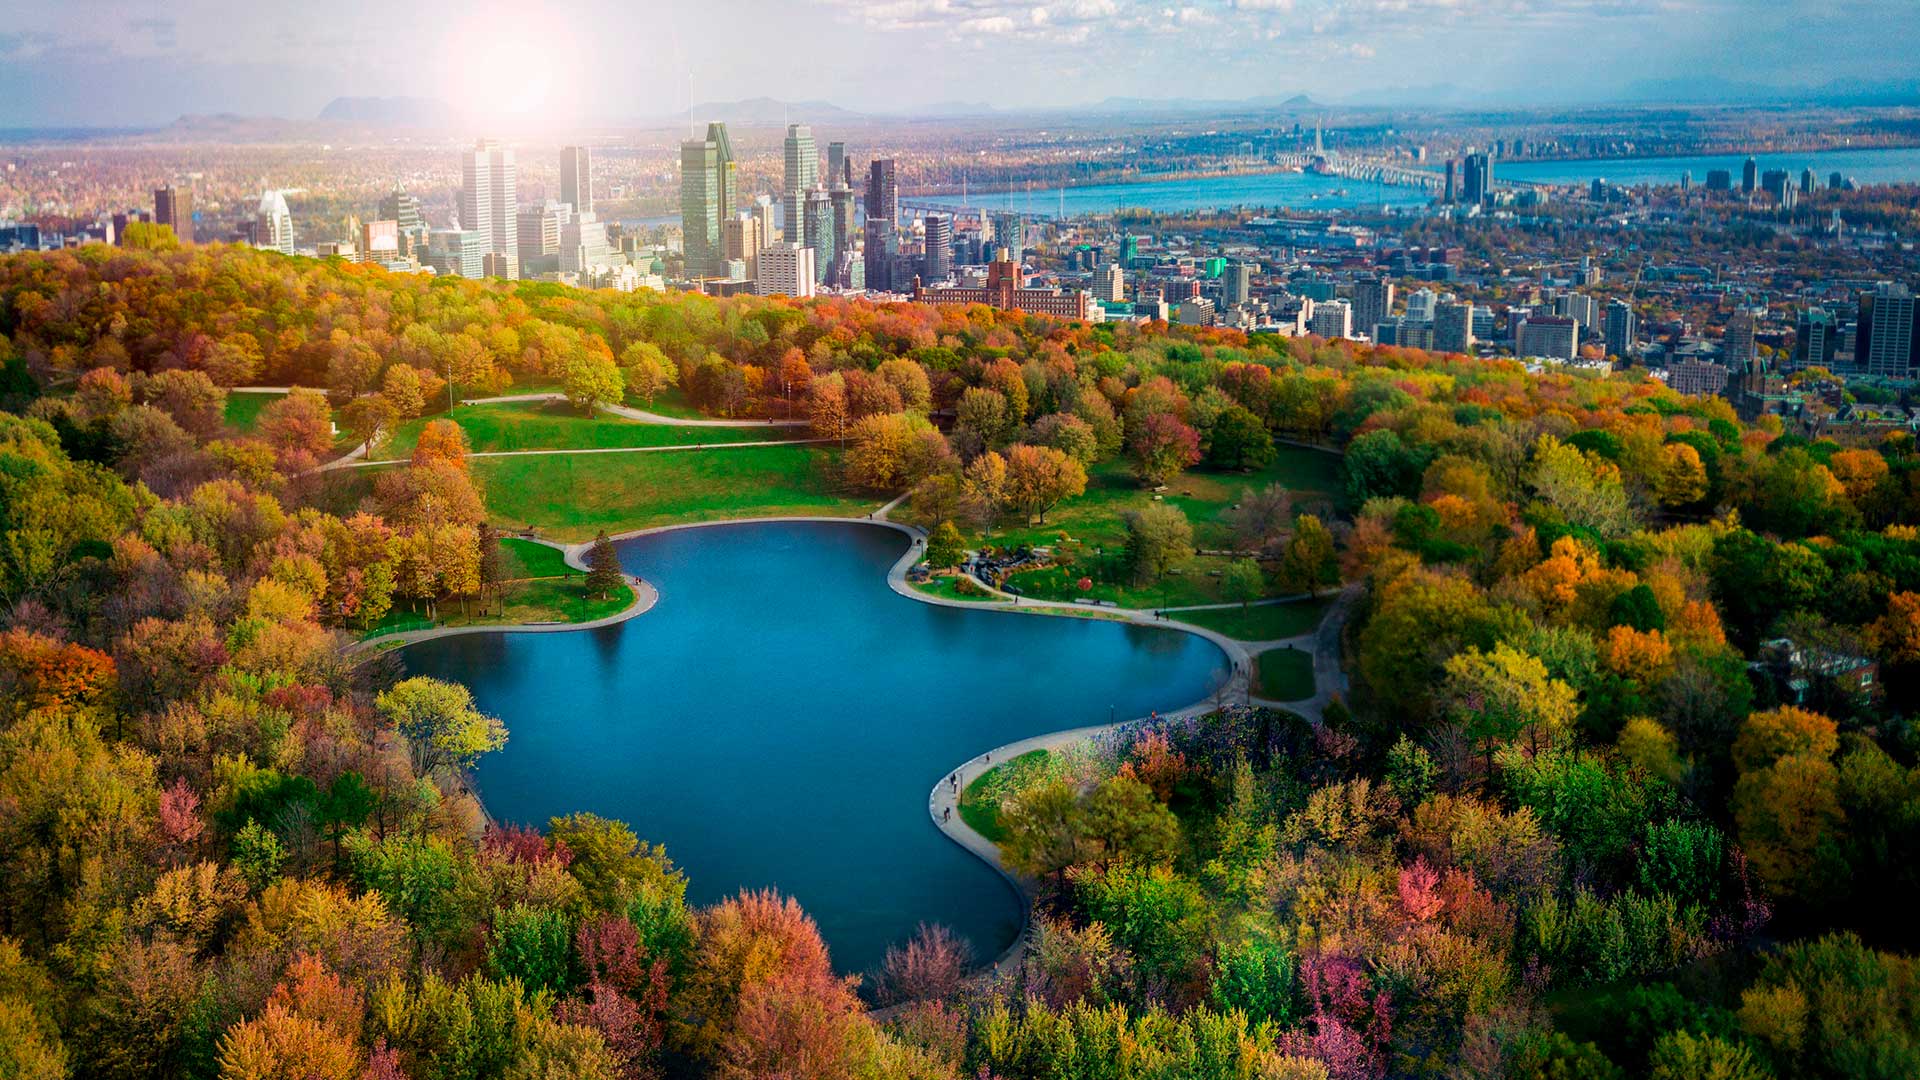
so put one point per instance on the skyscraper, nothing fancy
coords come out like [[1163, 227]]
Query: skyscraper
[[1622, 325], [1750, 177], [1236, 283], [883, 191], [740, 239], [1452, 191], [1010, 232], [1476, 183], [700, 205], [819, 231], [576, 178], [939, 261], [883, 210], [802, 175], [273, 223], [726, 173], [174, 206], [836, 159], [845, 226], [489, 199]]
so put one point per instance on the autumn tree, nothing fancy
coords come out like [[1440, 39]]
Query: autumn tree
[[647, 372], [1158, 539], [945, 546], [1039, 477], [1162, 446], [443, 729]]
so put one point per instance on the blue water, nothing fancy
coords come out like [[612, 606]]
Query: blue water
[[1289, 191], [1867, 166], [779, 717]]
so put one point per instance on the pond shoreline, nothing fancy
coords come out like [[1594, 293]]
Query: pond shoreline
[[1239, 665]]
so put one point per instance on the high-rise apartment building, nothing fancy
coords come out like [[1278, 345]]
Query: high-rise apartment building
[[938, 265], [1814, 337], [1886, 339], [1452, 325], [1736, 347], [741, 240], [785, 269], [379, 242], [576, 178], [802, 175], [583, 245], [1110, 283], [489, 199], [1372, 302], [539, 228], [458, 252], [1332, 319], [1420, 304], [1553, 336], [700, 206], [173, 206], [1622, 327], [1236, 282], [1750, 177]]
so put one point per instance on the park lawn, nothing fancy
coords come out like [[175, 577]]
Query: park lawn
[[948, 588], [555, 425], [573, 497], [981, 814], [243, 410], [1193, 584], [1260, 622], [1088, 532], [526, 559], [535, 600], [671, 402], [1283, 674]]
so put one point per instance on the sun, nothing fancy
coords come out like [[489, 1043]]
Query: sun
[[501, 79]]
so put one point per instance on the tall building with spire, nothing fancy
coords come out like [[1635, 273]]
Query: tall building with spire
[[726, 175], [802, 176], [700, 205], [489, 200], [576, 178]]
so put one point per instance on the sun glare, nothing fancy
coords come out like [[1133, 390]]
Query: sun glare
[[501, 80]]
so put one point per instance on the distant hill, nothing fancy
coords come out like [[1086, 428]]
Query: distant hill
[[766, 112], [1716, 91], [411, 112]]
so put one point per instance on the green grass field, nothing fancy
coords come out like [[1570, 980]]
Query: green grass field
[[574, 497], [1261, 622], [526, 559], [671, 403], [1284, 674], [1088, 532], [544, 425], [243, 410], [948, 588], [978, 810]]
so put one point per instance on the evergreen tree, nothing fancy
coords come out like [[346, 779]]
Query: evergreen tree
[[603, 567]]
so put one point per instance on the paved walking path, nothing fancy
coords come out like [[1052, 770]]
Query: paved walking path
[[943, 803], [642, 415], [354, 460], [575, 555]]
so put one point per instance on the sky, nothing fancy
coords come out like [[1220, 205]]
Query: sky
[[144, 63]]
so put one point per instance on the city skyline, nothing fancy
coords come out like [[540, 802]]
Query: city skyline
[[123, 65]]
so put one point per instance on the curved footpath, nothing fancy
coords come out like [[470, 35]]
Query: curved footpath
[[642, 415], [943, 803]]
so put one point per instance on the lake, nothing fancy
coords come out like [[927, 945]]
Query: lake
[[779, 717]]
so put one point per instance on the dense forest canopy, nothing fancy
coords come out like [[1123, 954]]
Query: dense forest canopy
[[1625, 785]]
